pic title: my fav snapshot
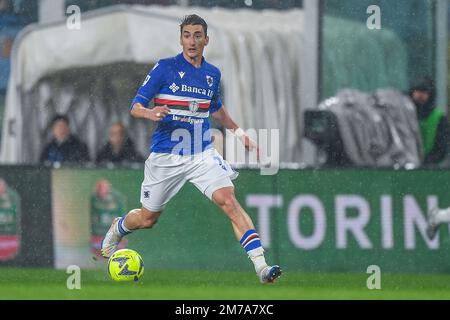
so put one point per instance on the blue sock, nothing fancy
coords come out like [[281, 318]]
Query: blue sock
[[252, 245], [250, 240], [121, 227]]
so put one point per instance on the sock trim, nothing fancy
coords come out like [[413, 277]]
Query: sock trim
[[248, 233], [250, 240], [122, 229]]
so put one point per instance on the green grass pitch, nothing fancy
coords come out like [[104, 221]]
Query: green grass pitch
[[24, 283]]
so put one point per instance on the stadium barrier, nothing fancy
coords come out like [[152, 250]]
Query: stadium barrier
[[25, 217], [308, 220]]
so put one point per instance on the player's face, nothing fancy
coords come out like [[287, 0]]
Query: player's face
[[193, 40]]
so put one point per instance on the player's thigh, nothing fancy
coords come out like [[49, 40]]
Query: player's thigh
[[163, 178], [209, 176]]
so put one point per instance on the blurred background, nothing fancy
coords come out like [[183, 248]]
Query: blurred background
[[358, 90]]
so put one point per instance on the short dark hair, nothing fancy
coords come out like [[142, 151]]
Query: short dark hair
[[59, 117], [194, 19]]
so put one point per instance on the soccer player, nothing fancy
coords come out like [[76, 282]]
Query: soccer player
[[185, 89], [436, 217]]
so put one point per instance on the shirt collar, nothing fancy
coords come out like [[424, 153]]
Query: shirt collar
[[183, 59]]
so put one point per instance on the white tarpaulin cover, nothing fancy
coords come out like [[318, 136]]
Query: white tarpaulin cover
[[257, 52]]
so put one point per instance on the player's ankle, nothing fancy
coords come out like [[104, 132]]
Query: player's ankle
[[260, 269], [259, 263], [121, 229]]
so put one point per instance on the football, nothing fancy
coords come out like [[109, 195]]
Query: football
[[126, 265]]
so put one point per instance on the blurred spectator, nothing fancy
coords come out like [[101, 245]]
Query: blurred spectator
[[120, 148], [433, 122], [10, 25], [106, 204], [64, 146]]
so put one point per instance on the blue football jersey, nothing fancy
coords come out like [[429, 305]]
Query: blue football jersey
[[191, 94]]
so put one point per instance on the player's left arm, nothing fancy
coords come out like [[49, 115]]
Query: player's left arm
[[223, 117]]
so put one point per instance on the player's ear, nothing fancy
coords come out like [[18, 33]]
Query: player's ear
[[206, 40]]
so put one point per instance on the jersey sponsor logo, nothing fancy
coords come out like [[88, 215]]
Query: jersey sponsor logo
[[187, 119], [181, 73], [146, 80], [146, 194], [189, 113], [206, 92], [209, 80], [193, 106], [174, 87]]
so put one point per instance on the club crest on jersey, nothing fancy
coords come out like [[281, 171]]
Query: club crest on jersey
[[181, 73], [193, 106], [209, 80]]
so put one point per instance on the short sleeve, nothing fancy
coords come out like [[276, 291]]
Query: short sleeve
[[151, 85]]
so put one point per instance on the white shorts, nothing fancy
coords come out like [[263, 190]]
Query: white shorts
[[166, 173]]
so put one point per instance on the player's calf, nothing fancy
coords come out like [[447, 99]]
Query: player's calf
[[148, 222], [246, 233], [122, 226], [141, 219]]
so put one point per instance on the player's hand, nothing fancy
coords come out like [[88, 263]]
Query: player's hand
[[158, 113], [250, 145]]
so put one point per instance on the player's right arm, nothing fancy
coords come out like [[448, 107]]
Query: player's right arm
[[155, 114], [146, 92]]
